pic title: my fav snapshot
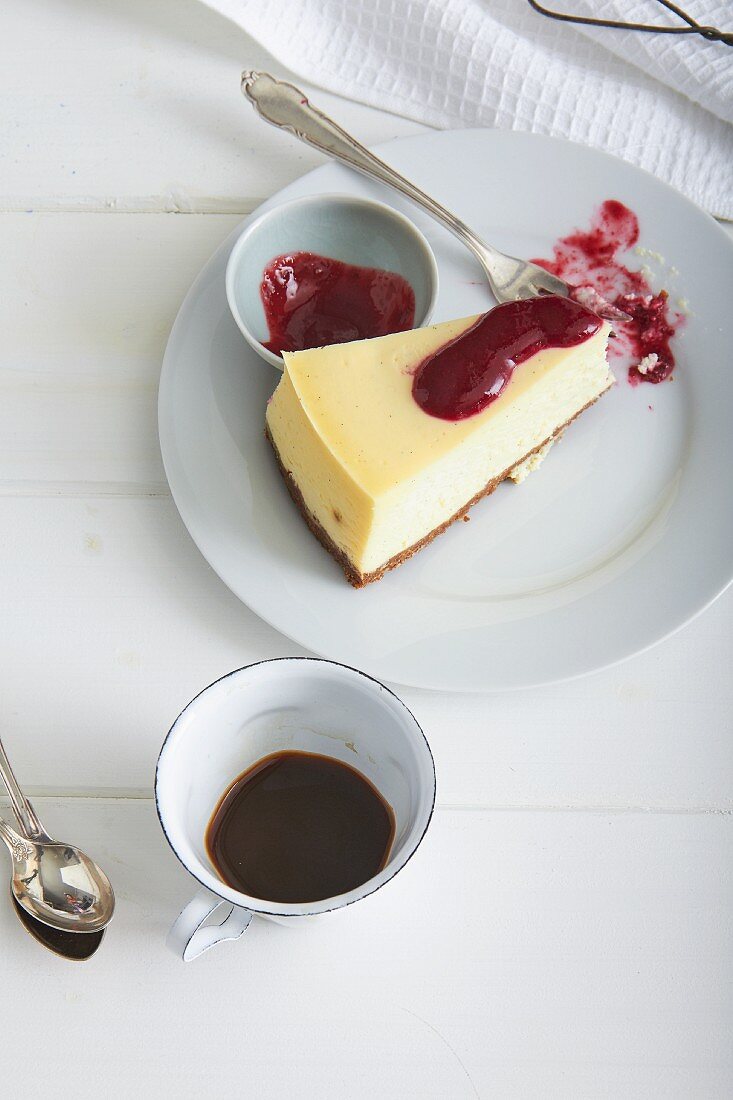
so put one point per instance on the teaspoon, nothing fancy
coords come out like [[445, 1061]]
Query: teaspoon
[[55, 883], [58, 884]]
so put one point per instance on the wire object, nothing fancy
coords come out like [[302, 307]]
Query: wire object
[[710, 34]]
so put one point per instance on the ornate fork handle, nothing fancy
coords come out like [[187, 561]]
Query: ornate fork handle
[[284, 106]]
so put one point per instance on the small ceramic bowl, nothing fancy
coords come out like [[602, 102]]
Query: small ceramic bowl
[[342, 227]]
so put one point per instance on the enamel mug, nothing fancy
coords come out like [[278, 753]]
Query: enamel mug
[[292, 703]]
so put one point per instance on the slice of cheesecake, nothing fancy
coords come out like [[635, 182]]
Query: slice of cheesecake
[[383, 443]]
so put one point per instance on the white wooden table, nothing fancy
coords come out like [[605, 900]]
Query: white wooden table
[[566, 929]]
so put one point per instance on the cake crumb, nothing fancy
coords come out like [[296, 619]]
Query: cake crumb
[[641, 251], [524, 469], [648, 363]]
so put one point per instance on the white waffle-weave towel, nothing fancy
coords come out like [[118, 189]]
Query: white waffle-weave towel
[[660, 101]]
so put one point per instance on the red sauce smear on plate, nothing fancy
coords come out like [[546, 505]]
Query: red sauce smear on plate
[[464, 376], [591, 258], [311, 301]]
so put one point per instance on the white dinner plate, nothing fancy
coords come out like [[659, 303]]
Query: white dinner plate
[[622, 536]]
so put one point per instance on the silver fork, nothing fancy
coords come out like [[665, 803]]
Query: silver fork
[[286, 107]]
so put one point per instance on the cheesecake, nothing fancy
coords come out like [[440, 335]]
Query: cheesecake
[[384, 443]]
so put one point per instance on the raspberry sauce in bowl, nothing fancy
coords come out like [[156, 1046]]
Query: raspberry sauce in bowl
[[311, 301], [324, 269]]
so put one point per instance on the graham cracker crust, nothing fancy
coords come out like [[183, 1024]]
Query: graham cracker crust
[[359, 580]]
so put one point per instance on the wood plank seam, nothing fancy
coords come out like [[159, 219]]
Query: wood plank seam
[[172, 203], [84, 489], [142, 794]]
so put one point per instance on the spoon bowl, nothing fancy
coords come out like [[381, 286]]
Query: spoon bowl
[[58, 884], [68, 945]]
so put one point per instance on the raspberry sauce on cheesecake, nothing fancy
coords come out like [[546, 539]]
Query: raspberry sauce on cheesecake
[[465, 376]]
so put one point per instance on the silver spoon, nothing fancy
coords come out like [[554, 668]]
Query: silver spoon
[[69, 945], [284, 106], [55, 883]]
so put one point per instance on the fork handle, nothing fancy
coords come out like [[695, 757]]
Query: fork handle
[[285, 106]]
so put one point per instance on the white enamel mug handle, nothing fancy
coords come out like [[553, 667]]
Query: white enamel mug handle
[[188, 939]]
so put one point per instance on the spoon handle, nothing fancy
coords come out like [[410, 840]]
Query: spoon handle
[[18, 846], [285, 106], [26, 815]]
